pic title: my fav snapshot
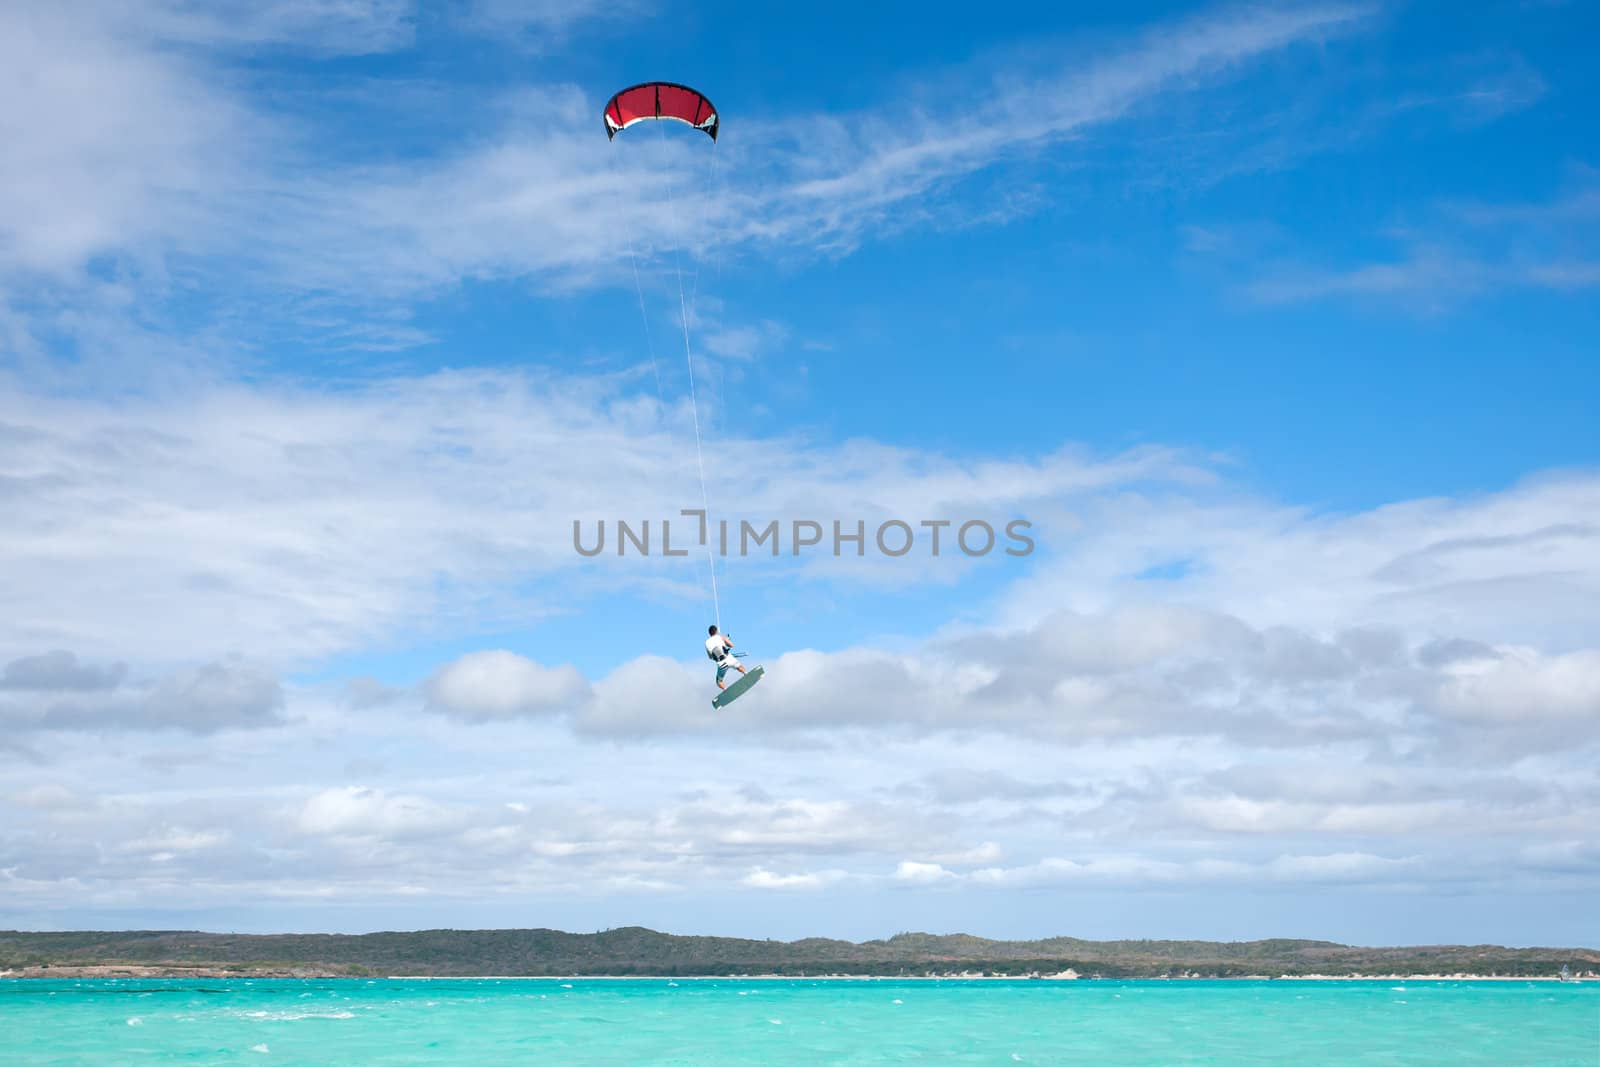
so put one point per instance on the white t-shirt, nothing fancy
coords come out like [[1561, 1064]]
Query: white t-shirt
[[714, 646]]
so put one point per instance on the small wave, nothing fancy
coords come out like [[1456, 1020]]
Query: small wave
[[259, 1048], [135, 1021], [295, 1016]]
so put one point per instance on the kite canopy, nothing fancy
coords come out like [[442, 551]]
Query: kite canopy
[[660, 100]]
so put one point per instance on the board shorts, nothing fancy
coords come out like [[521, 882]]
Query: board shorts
[[725, 664]]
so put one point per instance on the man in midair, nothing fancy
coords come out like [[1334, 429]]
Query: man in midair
[[719, 647]]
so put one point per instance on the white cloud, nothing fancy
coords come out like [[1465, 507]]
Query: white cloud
[[1410, 684], [55, 692], [296, 524], [51, 797], [635, 692], [59, 671], [234, 181], [459, 820], [1438, 277], [1124, 869], [861, 171], [1462, 251], [359, 811], [1341, 867], [112, 145], [1254, 693], [318, 27], [1521, 685], [174, 839], [761, 878], [988, 852], [1234, 814], [534, 22], [789, 826], [1138, 870], [214, 696], [500, 685], [1521, 565], [922, 873], [282, 520], [741, 342], [1070, 676]]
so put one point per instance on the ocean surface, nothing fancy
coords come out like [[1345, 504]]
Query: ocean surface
[[797, 1021]]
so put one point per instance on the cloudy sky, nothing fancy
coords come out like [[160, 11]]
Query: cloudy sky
[[323, 321]]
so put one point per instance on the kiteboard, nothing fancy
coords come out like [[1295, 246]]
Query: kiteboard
[[737, 689]]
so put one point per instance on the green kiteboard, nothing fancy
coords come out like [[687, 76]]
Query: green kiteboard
[[737, 689]]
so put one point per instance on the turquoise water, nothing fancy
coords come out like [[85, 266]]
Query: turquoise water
[[799, 1021]]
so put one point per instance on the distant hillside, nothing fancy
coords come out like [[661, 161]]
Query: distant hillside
[[634, 950]]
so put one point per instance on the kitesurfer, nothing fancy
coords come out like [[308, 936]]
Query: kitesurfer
[[719, 647]]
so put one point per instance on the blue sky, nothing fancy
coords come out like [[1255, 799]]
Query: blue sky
[[320, 326], [1120, 283]]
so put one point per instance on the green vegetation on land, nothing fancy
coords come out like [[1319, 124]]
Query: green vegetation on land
[[636, 951]]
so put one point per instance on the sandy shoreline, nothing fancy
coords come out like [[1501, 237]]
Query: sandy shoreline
[[115, 971], [980, 978]]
